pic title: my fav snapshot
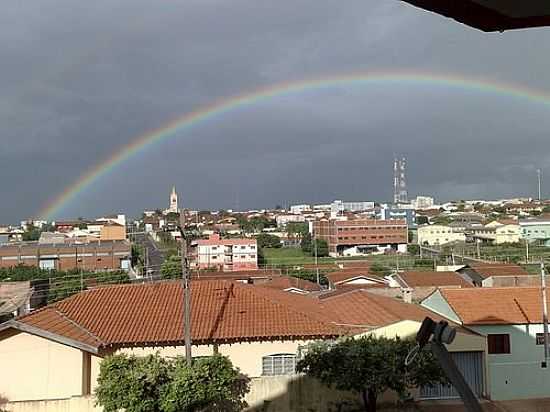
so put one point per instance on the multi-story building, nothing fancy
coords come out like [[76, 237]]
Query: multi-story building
[[110, 255], [282, 220], [423, 202], [388, 212], [297, 209], [363, 235], [536, 231], [224, 254], [338, 207], [433, 235]]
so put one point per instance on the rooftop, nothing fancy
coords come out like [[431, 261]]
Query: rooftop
[[486, 270], [425, 278], [495, 306]]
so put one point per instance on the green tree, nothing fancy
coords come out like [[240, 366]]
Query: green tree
[[171, 267], [157, 384], [31, 234], [322, 248], [266, 240], [211, 384], [306, 243], [422, 220], [297, 229], [131, 383], [413, 249], [370, 366], [546, 209]]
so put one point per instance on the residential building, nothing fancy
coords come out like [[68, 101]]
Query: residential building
[[392, 212], [224, 254], [435, 235], [338, 207], [109, 255], [112, 231], [282, 220], [363, 235], [292, 284], [536, 231], [55, 353], [297, 209], [511, 320], [497, 274], [357, 278], [420, 284], [423, 202]]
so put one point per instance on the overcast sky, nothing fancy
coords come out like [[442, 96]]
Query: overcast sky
[[79, 80]]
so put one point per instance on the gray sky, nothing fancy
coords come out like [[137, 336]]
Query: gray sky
[[81, 80]]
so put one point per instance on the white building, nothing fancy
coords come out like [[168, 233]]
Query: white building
[[282, 220], [423, 202], [297, 209], [432, 235], [224, 254], [338, 207]]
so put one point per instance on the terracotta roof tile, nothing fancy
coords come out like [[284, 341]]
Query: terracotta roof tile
[[288, 282], [344, 275], [487, 270], [494, 306], [153, 313], [426, 278]]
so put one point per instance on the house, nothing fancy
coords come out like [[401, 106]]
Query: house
[[14, 299], [224, 254], [536, 231], [435, 235], [292, 284], [54, 353], [258, 276], [354, 278], [497, 274], [422, 283], [511, 321]]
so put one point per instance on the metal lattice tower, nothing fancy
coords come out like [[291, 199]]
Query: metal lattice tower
[[399, 181]]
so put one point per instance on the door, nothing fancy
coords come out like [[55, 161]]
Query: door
[[470, 364]]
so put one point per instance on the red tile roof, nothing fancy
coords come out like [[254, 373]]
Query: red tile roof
[[289, 282], [495, 306], [152, 314], [426, 278], [344, 275], [487, 270]]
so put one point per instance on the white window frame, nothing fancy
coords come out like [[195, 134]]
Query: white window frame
[[279, 364]]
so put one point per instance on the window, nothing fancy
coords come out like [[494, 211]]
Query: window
[[540, 338], [279, 364], [498, 343], [214, 257], [252, 247], [243, 247]]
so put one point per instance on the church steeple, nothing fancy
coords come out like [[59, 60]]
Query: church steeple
[[173, 200]]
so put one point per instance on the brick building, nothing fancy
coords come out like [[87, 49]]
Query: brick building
[[111, 255], [362, 235]]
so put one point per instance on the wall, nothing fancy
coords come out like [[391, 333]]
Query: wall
[[246, 356], [37, 368], [436, 303], [517, 375]]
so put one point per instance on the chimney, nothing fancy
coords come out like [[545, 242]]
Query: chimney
[[407, 295]]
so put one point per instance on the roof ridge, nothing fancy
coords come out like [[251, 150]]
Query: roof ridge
[[77, 325]]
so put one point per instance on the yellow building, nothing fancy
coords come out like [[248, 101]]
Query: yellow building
[[434, 235]]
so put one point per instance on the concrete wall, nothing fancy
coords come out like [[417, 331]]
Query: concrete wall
[[246, 356], [436, 303], [517, 375], [36, 368]]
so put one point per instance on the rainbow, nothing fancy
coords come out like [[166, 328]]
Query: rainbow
[[204, 114]]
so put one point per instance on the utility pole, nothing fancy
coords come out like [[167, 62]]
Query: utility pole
[[544, 313], [527, 251], [186, 281], [315, 251]]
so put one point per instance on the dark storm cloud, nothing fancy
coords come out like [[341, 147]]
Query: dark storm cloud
[[80, 80]]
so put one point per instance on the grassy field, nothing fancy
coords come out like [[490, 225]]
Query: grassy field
[[285, 256]]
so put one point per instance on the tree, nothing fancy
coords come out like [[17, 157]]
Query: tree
[[171, 267], [422, 220], [322, 248], [306, 243], [157, 384], [31, 234], [211, 384], [413, 249], [266, 240], [370, 366], [546, 209], [297, 229]]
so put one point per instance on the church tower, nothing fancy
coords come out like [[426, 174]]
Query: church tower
[[173, 201]]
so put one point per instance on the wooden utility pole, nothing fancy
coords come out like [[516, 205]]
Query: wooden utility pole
[[186, 283]]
